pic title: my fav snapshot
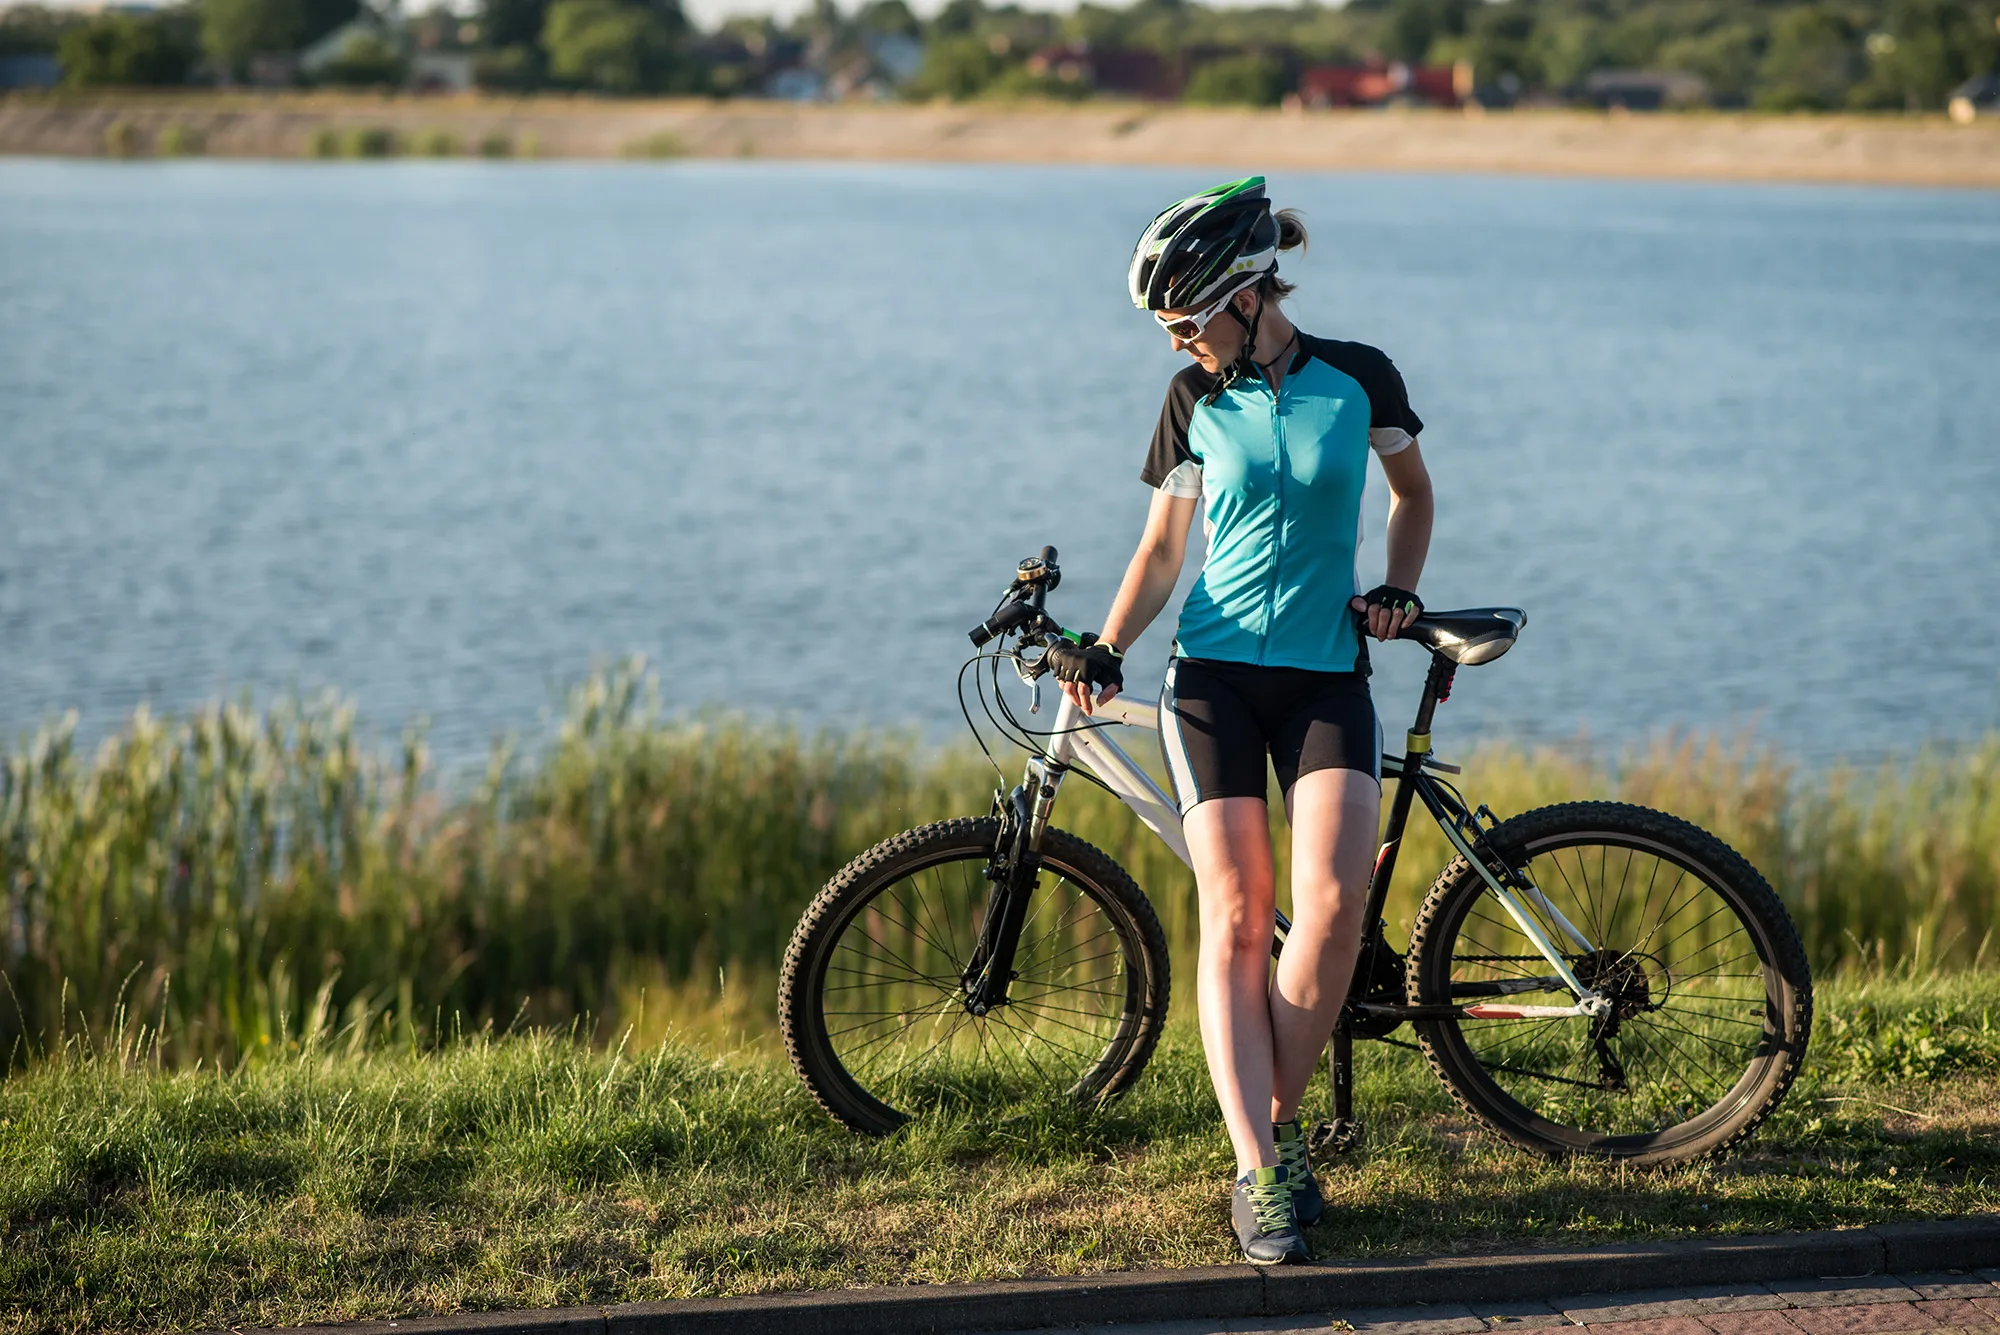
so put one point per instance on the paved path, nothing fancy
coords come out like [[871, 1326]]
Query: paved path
[[1874, 1305]]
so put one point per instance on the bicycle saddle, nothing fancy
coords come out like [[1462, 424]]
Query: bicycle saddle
[[1470, 637]]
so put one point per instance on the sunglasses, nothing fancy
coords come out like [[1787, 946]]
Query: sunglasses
[[1186, 327]]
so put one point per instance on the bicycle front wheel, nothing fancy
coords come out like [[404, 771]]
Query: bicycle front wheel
[[876, 1014], [1711, 998]]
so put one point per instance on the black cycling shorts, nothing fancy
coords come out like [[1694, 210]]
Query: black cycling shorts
[[1218, 721]]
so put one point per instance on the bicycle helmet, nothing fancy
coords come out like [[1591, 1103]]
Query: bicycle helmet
[[1216, 240]]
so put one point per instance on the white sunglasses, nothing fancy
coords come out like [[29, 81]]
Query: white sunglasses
[[1185, 327]]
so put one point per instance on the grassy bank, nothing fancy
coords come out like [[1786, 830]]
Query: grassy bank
[[355, 1175], [231, 879], [1887, 148]]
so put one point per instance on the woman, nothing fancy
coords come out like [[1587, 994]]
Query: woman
[[1268, 435]]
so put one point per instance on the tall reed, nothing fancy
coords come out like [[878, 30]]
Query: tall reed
[[219, 878]]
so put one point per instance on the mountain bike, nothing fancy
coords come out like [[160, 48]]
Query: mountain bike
[[1587, 978]]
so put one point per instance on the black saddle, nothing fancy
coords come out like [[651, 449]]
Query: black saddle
[[1471, 637]]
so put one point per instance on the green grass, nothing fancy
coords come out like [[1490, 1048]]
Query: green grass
[[123, 139], [219, 878], [371, 1171], [178, 139], [659, 144]]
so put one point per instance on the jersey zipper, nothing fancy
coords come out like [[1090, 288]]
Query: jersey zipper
[[1278, 532]]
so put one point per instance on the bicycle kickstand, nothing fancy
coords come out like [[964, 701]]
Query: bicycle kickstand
[[1343, 1133]]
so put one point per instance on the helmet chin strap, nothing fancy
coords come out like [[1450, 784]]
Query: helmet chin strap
[[1237, 369]]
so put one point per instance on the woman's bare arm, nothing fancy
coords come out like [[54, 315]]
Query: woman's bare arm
[[1411, 510], [1149, 581]]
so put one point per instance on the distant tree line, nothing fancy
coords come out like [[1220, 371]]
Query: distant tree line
[[1770, 54]]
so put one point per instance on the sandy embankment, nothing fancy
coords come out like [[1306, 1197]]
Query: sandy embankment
[[1742, 147]]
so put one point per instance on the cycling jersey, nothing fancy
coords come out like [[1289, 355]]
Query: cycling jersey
[[1280, 479]]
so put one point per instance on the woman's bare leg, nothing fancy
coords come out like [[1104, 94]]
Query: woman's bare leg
[[1229, 839], [1334, 820]]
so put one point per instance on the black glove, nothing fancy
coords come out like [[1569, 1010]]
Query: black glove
[[1393, 598], [1092, 661]]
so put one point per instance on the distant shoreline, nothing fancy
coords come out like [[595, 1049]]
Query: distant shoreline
[[1717, 146]]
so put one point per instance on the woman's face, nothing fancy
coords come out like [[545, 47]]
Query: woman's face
[[1221, 339]]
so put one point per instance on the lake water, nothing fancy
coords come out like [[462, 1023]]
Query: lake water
[[442, 434]]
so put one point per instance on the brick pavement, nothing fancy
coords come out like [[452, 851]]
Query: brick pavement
[[1934, 1304]]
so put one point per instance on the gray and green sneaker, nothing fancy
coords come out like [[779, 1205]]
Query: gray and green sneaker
[[1261, 1209], [1306, 1200]]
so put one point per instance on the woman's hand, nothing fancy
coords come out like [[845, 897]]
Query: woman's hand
[[1079, 695], [1389, 610], [1078, 667]]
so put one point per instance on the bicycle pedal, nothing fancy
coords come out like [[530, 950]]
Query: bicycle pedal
[[1340, 1136]]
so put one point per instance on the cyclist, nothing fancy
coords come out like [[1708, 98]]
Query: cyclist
[[1267, 435]]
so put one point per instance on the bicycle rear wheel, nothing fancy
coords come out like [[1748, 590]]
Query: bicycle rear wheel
[[1711, 996], [873, 1005]]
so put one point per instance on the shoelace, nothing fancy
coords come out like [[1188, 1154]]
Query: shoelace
[[1292, 1154], [1271, 1202]]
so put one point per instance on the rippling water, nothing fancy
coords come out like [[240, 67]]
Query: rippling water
[[441, 434]]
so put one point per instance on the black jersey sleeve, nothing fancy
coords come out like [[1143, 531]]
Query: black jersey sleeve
[[1170, 449], [1388, 399]]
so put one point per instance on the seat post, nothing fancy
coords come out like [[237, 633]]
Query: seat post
[[1437, 688]]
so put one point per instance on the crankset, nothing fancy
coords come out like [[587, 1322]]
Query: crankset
[[1340, 1136]]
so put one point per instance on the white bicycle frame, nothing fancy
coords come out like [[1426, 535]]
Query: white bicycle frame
[[1076, 742]]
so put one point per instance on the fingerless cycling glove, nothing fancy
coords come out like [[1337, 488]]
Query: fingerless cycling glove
[[1091, 661]]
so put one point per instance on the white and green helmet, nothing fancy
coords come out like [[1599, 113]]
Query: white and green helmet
[[1204, 246]]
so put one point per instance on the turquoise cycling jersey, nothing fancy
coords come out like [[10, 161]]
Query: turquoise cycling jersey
[[1280, 477]]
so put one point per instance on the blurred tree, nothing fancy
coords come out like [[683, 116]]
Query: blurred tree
[[1632, 40], [321, 17], [1814, 58], [822, 23], [887, 18], [130, 50], [1416, 25], [957, 68], [34, 30], [1247, 80], [232, 31], [512, 23], [1100, 25], [1725, 55], [514, 68], [606, 45], [958, 18], [1923, 50], [1566, 47], [366, 60], [1498, 41], [1775, 53]]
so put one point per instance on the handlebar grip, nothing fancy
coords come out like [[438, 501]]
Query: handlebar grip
[[1002, 621], [1049, 555]]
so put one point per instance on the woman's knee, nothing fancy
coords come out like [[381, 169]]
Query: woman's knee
[[1238, 933], [1328, 902], [1237, 912]]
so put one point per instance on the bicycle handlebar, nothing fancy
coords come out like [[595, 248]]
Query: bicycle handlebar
[[1037, 575], [1015, 613], [1032, 581]]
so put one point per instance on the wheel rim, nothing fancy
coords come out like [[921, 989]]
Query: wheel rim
[[893, 1016], [1696, 1014]]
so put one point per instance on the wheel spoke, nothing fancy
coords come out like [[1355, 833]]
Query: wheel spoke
[[894, 1019], [1686, 1023]]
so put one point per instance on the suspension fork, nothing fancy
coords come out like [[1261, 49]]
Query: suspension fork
[[1013, 872]]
